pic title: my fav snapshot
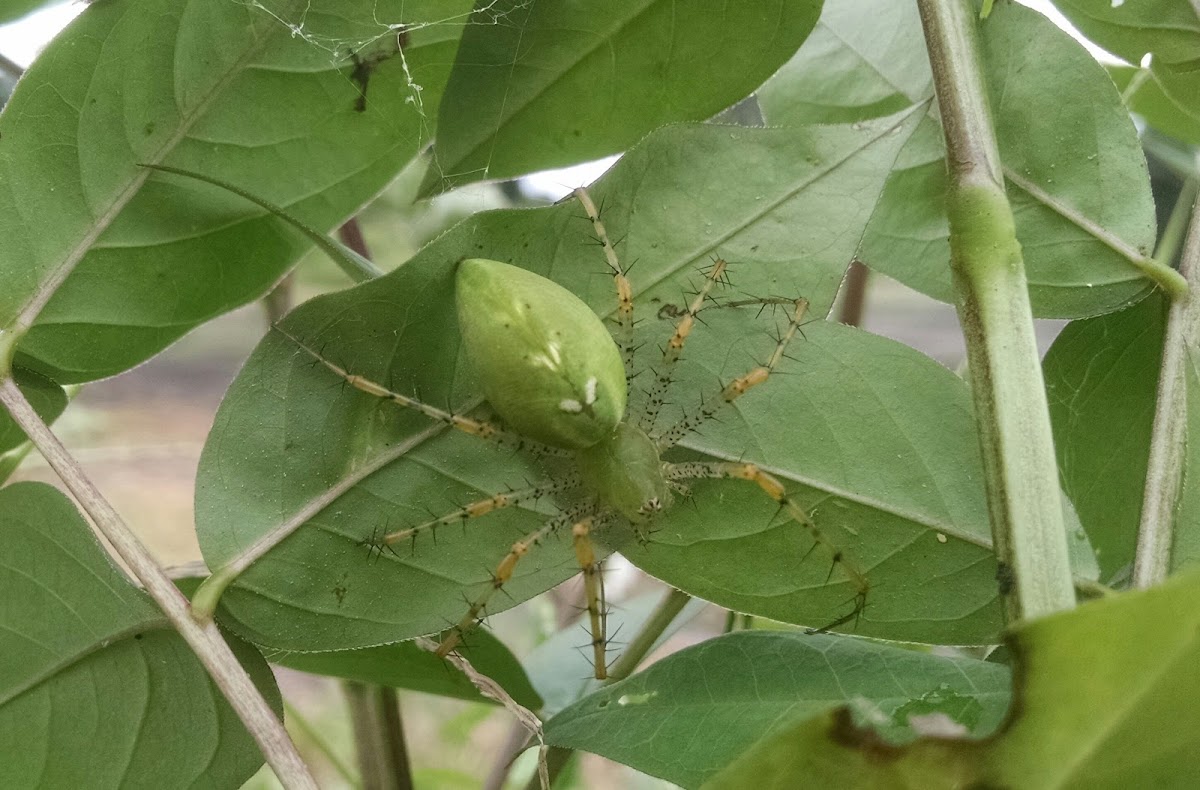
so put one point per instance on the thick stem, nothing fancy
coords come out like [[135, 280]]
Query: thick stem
[[1165, 466], [1021, 474], [379, 735], [203, 638]]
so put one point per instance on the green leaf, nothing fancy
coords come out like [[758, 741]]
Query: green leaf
[[693, 713], [96, 690], [1076, 175], [1168, 28], [406, 666], [1101, 383], [541, 85], [46, 397], [126, 261], [15, 9], [295, 453], [1144, 95], [1109, 698]]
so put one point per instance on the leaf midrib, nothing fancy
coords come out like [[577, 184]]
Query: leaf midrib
[[56, 275], [70, 660]]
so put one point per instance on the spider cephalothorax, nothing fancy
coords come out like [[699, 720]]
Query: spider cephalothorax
[[559, 382]]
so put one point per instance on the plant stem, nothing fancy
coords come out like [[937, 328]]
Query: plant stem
[[299, 722], [662, 616], [379, 735], [1021, 474], [854, 293], [278, 300], [10, 69], [203, 638], [1165, 465]]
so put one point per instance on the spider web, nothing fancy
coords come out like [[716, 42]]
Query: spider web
[[392, 24]]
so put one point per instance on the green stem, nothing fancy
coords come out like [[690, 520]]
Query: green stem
[[297, 720], [1165, 465], [203, 638], [1021, 474], [379, 734], [660, 619]]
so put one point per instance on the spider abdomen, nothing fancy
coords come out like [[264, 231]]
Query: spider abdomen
[[625, 472], [545, 361]]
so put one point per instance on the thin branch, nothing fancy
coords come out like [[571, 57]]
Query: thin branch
[[1165, 465], [660, 619], [658, 622], [1020, 470], [204, 639]]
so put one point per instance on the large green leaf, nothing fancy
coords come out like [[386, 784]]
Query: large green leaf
[[96, 690], [1108, 697], [693, 713], [1168, 28], [294, 452], [541, 85], [260, 95], [1101, 382], [1076, 175]]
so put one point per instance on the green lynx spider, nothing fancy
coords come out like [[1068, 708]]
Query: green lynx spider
[[559, 381]]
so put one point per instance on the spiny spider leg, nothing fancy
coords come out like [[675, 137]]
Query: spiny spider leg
[[674, 349], [504, 572], [593, 586], [474, 510], [480, 428], [624, 289], [774, 488], [738, 387]]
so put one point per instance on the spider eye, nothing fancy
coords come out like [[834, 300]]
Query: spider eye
[[545, 361]]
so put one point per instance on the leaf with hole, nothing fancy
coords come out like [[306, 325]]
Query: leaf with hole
[[695, 712]]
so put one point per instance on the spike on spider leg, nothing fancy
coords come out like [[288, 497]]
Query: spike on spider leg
[[771, 486], [499, 577], [624, 289], [480, 428], [674, 348], [739, 386], [593, 585]]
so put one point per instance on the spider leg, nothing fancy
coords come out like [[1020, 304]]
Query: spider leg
[[739, 386], [593, 585], [674, 349], [481, 428], [774, 488], [624, 289], [472, 510], [503, 572]]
